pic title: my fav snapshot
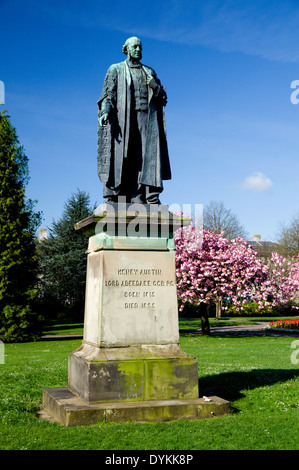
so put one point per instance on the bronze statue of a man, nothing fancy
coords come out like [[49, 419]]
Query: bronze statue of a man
[[132, 147]]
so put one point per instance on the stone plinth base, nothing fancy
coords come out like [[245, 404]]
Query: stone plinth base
[[136, 373], [70, 410]]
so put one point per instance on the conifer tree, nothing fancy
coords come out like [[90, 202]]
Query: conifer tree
[[18, 261], [63, 261]]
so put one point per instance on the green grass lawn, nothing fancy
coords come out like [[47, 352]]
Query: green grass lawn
[[254, 373]]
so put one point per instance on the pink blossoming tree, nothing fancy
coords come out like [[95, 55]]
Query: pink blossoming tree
[[283, 279], [294, 275], [210, 268]]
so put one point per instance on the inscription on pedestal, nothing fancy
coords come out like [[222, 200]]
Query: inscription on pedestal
[[139, 287], [135, 296]]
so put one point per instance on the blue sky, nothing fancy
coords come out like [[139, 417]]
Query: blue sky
[[227, 66]]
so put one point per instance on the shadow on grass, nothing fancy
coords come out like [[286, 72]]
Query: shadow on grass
[[62, 327], [229, 385]]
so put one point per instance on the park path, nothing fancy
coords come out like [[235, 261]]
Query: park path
[[257, 329]]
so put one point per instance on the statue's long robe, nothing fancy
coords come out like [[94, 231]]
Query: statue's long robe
[[113, 139]]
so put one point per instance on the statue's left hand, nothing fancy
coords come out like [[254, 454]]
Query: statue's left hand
[[103, 120]]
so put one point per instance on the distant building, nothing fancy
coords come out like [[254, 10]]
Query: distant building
[[43, 234], [263, 248]]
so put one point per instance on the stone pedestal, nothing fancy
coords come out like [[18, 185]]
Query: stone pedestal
[[130, 364]]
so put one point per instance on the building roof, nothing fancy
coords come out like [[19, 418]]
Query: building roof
[[264, 248]]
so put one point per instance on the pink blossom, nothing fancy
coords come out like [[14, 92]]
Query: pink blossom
[[210, 268]]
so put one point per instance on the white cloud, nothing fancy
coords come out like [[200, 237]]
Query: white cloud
[[257, 182]]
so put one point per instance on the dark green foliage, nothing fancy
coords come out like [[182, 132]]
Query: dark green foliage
[[195, 311], [63, 262], [18, 261], [252, 309]]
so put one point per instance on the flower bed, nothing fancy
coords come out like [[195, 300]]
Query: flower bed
[[285, 325]]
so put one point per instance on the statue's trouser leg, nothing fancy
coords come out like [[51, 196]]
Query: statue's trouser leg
[[150, 194], [138, 139]]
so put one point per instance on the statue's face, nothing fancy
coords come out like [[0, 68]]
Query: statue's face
[[134, 49]]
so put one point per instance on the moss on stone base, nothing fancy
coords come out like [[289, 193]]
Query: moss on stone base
[[139, 379]]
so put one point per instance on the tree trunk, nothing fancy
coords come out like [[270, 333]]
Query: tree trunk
[[205, 325], [218, 310]]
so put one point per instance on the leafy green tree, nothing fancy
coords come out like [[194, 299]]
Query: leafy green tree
[[62, 258], [18, 260]]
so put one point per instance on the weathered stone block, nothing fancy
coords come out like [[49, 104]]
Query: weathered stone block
[[131, 298], [71, 410], [132, 374]]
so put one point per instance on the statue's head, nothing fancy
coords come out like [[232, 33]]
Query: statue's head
[[133, 48]]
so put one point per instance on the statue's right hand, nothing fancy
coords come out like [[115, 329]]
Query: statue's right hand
[[103, 120]]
